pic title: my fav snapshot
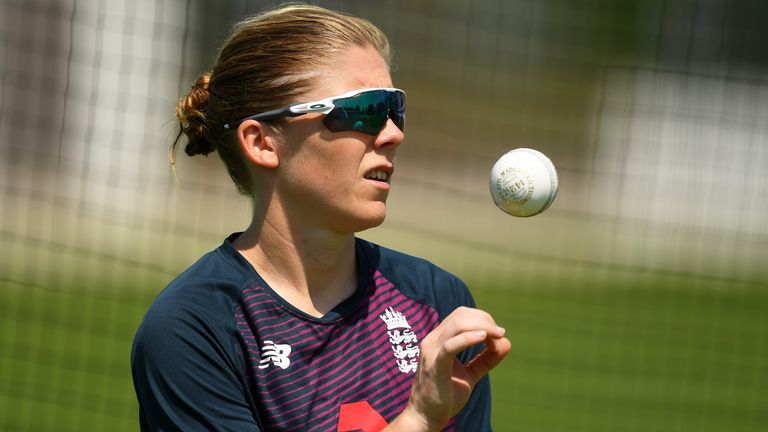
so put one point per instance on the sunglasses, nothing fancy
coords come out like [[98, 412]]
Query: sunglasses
[[365, 110]]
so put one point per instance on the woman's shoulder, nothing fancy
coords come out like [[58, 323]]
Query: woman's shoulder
[[383, 256], [207, 291], [190, 331], [417, 277]]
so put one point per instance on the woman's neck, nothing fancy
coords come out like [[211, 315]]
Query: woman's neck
[[312, 269]]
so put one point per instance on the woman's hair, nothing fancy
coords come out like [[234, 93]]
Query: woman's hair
[[268, 61]]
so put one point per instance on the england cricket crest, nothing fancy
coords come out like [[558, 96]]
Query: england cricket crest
[[405, 344]]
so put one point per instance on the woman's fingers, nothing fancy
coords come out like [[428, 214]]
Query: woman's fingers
[[461, 330], [465, 328], [489, 358], [463, 341], [464, 320]]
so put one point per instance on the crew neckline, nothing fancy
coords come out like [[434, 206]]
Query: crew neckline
[[343, 309]]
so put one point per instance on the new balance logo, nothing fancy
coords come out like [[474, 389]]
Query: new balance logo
[[275, 354]]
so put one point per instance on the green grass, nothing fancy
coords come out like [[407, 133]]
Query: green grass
[[638, 354], [653, 356], [64, 359]]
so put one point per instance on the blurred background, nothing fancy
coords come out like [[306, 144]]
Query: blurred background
[[637, 302]]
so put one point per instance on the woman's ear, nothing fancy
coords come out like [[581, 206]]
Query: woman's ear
[[258, 145]]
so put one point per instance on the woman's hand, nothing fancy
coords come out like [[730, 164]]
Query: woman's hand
[[443, 384]]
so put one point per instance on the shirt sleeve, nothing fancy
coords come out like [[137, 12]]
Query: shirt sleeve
[[476, 414], [186, 375]]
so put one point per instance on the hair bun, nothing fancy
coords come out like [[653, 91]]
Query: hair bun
[[191, 114]]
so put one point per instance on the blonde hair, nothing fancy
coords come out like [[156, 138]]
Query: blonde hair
[[268, 61]]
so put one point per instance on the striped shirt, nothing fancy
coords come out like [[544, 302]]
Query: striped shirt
[[220, 350]]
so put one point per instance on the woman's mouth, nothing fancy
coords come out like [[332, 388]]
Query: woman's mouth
[[377, 175]]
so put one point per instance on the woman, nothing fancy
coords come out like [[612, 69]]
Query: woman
[[295, 324]]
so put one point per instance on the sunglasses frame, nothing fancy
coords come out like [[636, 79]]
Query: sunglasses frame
[[323, 106]]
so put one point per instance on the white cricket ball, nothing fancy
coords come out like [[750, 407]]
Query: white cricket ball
[[523, 182]]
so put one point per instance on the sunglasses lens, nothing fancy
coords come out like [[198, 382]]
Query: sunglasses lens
[[367, 112], [397, 110]]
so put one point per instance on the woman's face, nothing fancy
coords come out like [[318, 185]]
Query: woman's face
[[329, 179]]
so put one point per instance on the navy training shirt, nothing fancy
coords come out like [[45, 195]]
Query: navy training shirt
[[219, 350]]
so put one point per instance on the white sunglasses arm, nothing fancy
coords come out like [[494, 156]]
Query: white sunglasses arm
[[322, 106]]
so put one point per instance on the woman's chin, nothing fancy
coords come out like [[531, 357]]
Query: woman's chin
[[362, 222]]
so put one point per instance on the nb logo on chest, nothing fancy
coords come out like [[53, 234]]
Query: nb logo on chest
[[273, 354]]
